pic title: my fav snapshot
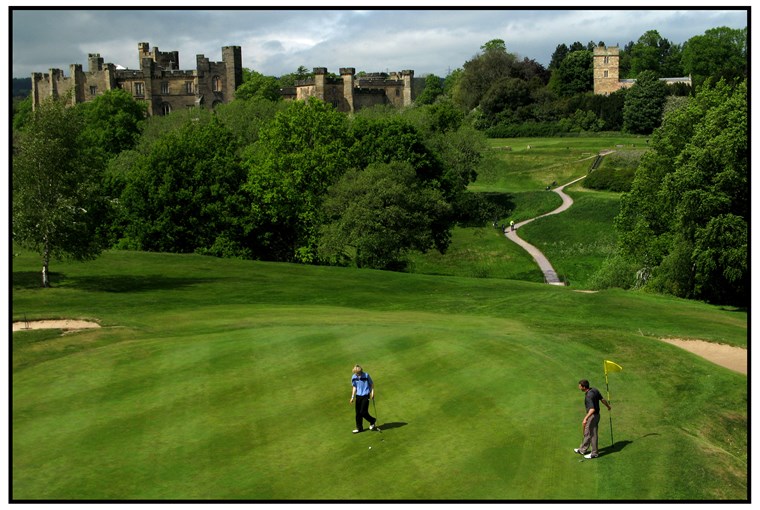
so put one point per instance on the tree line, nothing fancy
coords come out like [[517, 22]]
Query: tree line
[[262, 178]]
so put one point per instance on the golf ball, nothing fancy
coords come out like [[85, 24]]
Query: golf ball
[[370, 447]]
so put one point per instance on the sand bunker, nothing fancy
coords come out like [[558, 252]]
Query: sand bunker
[[66, 324], [734, 358]]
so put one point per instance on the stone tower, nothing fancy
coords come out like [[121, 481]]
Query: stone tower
[[606, 69], [233, 60]]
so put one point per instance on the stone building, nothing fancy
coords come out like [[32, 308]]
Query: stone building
[[350, 93], [159, 81], [607, 72]]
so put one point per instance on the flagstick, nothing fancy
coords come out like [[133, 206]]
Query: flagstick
[[607, 383]]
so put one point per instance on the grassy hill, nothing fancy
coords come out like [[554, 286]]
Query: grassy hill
[[576, 242], [226, 379]]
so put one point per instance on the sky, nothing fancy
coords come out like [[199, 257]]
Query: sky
[[276, 40]]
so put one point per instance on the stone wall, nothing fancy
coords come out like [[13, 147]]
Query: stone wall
[[159, 81]]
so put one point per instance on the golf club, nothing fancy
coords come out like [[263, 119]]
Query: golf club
[[377, 420]]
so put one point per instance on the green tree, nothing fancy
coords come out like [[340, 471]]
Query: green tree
[[392, 138], [684, 225], [246, 118], [57, 205], [719, 53], [506, 94], [183, 195], [377, 215], [256, 84], [560, 52], [433, 89], [575, 74], [480, 73], [22, 111], [113, 122], [644, 104], [297, 157], [650, 53]]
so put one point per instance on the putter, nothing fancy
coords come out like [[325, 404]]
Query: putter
[[377, 427]]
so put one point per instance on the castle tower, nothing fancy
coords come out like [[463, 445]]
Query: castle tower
[[606, 69], [233, 61], [94, 62], [320, 77], [408, 76], [347, 73]]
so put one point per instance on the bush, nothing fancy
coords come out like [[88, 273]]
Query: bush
[[616, 172]]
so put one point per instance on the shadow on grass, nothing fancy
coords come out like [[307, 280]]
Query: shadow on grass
[[615, 448], [130, 283], [392, 425]]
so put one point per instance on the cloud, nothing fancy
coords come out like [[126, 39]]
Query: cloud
[[277, 41]]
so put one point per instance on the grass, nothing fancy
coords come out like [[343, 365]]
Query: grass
[[576, 242], [579, 240], [226, 380]]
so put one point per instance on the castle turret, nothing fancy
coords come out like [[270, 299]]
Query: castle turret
[[233, 61], [606, 69], [94, 63], [347, 73], [320, 77], [408, 76]]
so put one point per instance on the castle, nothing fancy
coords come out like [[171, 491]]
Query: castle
[[607, 72], [159, 81], [165, 88], [350, 93]]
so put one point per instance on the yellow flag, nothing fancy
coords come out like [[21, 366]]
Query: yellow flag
[[611, 366]]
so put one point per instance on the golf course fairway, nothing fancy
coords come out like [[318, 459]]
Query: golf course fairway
[[214, 379]]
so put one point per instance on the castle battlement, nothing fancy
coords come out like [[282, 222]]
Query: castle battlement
[[158, 81]]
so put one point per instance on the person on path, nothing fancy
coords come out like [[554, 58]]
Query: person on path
[[363, 390], [512, 225], [591, 420]]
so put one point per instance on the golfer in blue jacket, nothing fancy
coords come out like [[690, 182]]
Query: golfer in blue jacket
[[363, 389]]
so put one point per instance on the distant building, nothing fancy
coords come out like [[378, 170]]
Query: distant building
[[607, 72], [159, 81], [350, 92]]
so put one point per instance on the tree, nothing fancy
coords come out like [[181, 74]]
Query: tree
[[719, 53], [392, 138], [183, 195], [113, 122], [558, 56], [480, 73], [377, 215], [497, 45], [256, 84], [684, 226], [575, 74], [297, 157], [57, 206], [433, 89], [506, 94], [644, 103]]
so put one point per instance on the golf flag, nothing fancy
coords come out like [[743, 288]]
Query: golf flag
[[611, 366]]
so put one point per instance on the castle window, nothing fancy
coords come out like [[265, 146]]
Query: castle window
[[93, 90], [188, 87], [606, 59], [166, 108], [165, 87], [217, 84], [139, 89], [606, 74]]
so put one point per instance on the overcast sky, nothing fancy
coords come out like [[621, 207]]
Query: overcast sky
[[278, 41]]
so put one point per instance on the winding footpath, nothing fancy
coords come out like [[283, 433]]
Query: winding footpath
[[550, 275]]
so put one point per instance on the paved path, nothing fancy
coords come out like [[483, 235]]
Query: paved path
[[550, 275]]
